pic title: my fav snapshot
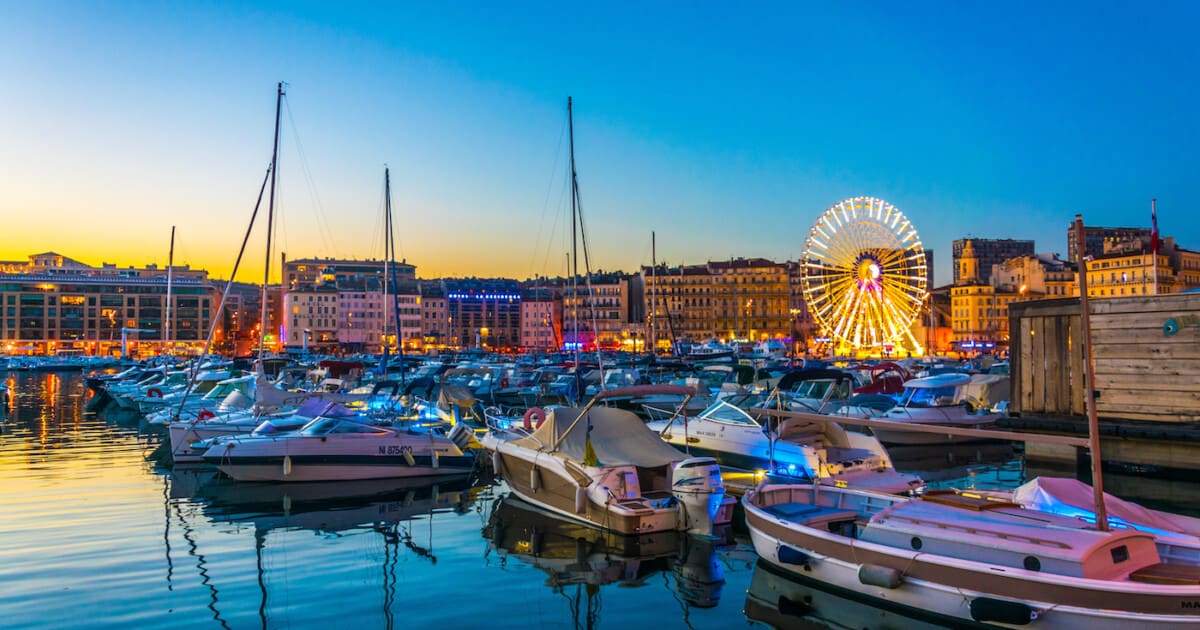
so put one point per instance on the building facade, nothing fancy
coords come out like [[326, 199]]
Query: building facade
[[1097, 239], [988, 251], [741, 299], [541, 319], [54, 304], [596, 311], [483, 313]]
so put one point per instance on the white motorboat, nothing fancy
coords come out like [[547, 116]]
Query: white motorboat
[[602, 466], [961, 559], [336, 448], [190, 438], [821, 452], [941, 400]]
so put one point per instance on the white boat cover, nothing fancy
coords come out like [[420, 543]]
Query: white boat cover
[[985, 390], [618, 438], [1071, 497]]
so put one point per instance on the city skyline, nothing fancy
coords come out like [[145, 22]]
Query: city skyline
[[726, 132]]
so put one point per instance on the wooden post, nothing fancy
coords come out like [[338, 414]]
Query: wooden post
[[1089, 392]]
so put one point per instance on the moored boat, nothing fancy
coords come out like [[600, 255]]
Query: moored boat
[[602, 466], [966, 560], [333, 448]]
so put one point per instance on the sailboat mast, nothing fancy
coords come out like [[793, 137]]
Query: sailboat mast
[[387, 257], [262, 318], [574, 238], [167, 319], [653, 294], [1089, 389], [391, 247]]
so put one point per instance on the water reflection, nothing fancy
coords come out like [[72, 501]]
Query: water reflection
[[959, 461], [388, 510], [781, 601], [578, 560]]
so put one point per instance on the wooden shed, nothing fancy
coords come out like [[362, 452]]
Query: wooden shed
[[1146, 349]]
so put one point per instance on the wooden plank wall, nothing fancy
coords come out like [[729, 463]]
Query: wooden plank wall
[[1142, 373]]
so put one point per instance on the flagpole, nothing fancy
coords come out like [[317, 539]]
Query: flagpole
[[1154, 240]]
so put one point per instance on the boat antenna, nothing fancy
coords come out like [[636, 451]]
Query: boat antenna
[[262, 319], [1089, 389]]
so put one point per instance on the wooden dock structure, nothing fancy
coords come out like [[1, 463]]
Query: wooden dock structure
[[1147, 374]]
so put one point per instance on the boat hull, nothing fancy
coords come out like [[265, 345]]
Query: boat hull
[[556, 492], [326, 468], [960, 589]]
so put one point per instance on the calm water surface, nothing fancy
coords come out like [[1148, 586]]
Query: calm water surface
[[95, 532]]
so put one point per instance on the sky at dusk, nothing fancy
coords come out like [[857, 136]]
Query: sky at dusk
[[725, 129]]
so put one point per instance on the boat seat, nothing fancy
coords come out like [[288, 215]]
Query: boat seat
[[1177, 574], [809, 514], [836, 455]]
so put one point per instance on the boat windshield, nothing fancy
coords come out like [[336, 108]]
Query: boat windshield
[[817, 389], [332, 426], [928, 396], [727, 413]]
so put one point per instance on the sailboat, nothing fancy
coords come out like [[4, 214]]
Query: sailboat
[[964, 558], [602, 466]]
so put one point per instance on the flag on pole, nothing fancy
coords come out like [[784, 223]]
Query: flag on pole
[[1154, 228]]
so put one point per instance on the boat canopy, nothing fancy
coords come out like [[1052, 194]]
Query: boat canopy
[[941, 380], [790, 379], [618, 438], [455, 395]]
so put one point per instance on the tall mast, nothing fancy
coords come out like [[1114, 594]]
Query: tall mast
[[1089, 387], [391, 263], [387, 258], [262, 318], [574, 238], [653, 294], [167, 319]]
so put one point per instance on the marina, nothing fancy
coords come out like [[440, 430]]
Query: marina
[[599, 317], [91, 495]]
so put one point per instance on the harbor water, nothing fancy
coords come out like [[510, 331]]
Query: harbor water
[[97, 532]]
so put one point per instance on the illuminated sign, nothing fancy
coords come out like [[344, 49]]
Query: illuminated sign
[[484, 296]]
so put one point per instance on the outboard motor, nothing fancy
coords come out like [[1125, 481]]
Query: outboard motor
[[461, 435], [697, 484]]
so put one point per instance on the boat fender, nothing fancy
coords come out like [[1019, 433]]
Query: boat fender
[[530, 414], [535, 479], [409, 459], [433, 459], [497, 463], [875, 575], [791, 555], [287, 465], [154, 392], [793, 608], [504, 382], [984, 609], [581, 499], [205, 415]]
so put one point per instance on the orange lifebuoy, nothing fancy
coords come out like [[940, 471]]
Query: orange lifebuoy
[[205, 414], [154, 392], [530, 413], [504, 382]]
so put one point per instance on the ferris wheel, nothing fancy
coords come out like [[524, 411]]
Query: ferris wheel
[[864, 273]]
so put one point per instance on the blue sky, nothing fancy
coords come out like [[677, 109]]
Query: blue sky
[[727, 130]]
